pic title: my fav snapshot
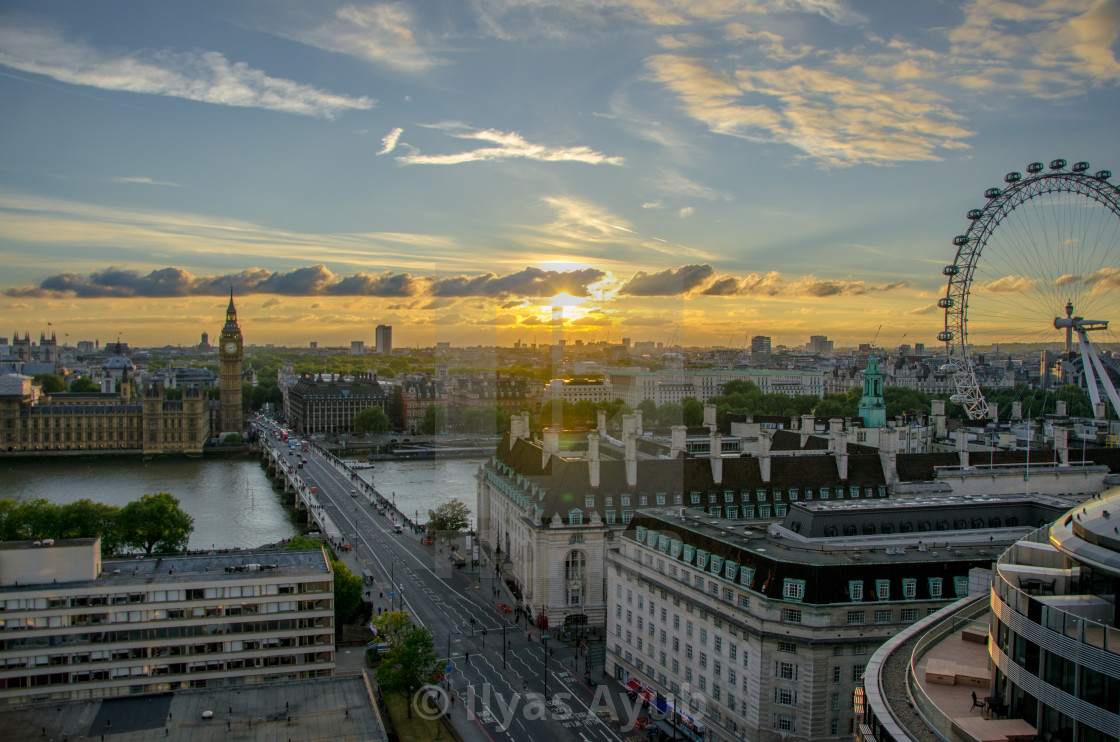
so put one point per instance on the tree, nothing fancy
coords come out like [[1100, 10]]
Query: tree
[[434, 420], [302, 543], [453, 515], [409, 665], [231, 439], [84, 385], [347, 593], [155, 523], [50, 383], [392, 627], [371, 420], [87, 519], [670, 413], [490, 419], [692, 412], [648, 408]]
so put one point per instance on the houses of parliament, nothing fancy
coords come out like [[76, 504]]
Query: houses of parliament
[[131, 416]]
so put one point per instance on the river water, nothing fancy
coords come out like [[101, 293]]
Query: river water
[[232, 501]]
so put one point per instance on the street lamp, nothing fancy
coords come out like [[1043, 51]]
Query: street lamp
[[544, 657]]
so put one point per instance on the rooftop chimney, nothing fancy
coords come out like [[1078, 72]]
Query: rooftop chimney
[[629, 425], [638, 422], [1061, 442], [1017, 410], [716, 456], [841, 452], [710, 416], [888, 453], [1060, 409], [993, 412], [679, 436], [764, 441], [551, 444], [962, 446], [593, 459], [631, 460], [601, 424], [808, 427], [518, 428]]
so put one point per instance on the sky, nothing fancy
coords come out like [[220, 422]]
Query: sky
[[487, 171]]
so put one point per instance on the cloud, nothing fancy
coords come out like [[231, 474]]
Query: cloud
[[653, 205], [687, 211], [381, 34], [669, 282], [1105, 279], [142, 181], [529, 282], [725, 286], [273, 302], [204, 76], [927, 309], [835, 119], [389, 141], [315, 280], [508, 145], [1004, 285]]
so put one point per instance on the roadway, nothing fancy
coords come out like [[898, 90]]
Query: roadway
[[502, 687]]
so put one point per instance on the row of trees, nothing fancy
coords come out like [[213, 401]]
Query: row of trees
[[152, 524]]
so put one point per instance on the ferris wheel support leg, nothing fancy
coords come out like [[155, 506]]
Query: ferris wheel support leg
[[1086, 363], [1091, 360]]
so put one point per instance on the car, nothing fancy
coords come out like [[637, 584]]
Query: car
[[353, 493], [347, 547], [397, 529]]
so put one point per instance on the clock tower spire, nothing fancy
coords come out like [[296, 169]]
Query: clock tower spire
[[231, 352]]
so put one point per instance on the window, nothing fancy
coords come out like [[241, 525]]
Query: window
[[793, 589], [855, 618], [793, 494], [960, 584], [575, 517], [729, 495], [678, 499], [610, 517], [732, 512], [729, 595], [763, 511], [783, 696], [909, 615], [676, 644], [703, 661], [787, 647], [823, 492], [589, 502], [625, 500], [909, 588], [935, 587], [695, 498], [855, 590], [688, 651], [883, 589], [836, 674], [643, 500], [744, 602], [704, 636], [785, 723], [883, 616], [732, 651], [785, 670], [676, 622], [711, 497], [608, 501], [660, 498], [857, 673], [717, 643], [791, 615]]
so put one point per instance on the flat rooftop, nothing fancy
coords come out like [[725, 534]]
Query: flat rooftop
[[341, 709]]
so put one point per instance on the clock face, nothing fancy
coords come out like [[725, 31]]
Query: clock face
[[231, 347]]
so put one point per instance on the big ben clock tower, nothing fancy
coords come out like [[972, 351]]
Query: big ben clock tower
[[231, 352]]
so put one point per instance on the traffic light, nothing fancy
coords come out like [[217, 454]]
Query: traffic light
[[484, 632]]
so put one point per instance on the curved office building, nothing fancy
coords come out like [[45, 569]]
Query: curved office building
[[1037, 657], [1055, 642]]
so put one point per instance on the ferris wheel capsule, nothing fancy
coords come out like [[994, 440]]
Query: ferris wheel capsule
[[945, 336], [1013, 177], [1035, 167], [945, 302], [1080, 167], [975, 214], [958, 399], [1057, 164], [960, 239], [1103, 174], [949, 368], [993, 193], [951, 270]]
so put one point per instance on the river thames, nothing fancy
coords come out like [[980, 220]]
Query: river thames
[[232, 502]]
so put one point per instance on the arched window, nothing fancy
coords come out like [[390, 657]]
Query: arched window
[[575, 565]]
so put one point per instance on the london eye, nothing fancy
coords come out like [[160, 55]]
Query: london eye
[[1037, 269]]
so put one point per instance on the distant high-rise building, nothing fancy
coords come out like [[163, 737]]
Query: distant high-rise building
[[314, 345], [760, 348], [819, 344], [919, 349], [357, 347], [383, 339]]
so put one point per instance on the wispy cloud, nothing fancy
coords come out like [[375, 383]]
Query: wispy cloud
[[389, 141], [835, 119], [205, 76], [141, 180], [531, 282], [507, 146], [382, 34]]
